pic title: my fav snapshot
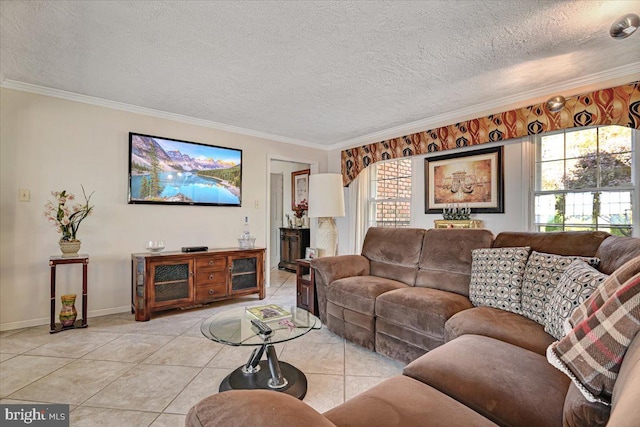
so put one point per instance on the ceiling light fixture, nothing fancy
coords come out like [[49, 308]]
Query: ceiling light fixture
[[625, 26], [556, 103]]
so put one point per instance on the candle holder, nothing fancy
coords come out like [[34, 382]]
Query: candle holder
[[455, 212]]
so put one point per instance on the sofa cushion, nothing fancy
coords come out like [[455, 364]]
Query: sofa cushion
[[402, 344], [359, 293], [591, 354], [240, 408], [615, 251], [582, 243], [604, 291], [331, 268], [579, 412], [445, 262], [356, 327], [575, 285], [501, 325], [496, 277], [393, 252], [505, 383], [625, 410], [420, 309], [541, 277], [403, 401]]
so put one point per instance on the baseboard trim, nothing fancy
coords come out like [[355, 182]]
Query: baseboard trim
[[10, 326]]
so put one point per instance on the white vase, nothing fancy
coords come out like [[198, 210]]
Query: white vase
[[326, 237]]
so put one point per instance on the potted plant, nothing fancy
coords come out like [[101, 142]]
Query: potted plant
[[299, 210], [67, 219]]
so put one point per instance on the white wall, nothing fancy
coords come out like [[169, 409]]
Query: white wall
[[516, 200], [286, 168], [53, 144]]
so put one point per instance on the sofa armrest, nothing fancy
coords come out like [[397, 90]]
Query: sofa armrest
[[263, 408], [338, 267], [329, 269]]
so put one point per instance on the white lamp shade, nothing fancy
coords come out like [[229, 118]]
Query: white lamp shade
[[326, 196]]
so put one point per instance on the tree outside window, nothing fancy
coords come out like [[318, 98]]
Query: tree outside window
[[584, 180]]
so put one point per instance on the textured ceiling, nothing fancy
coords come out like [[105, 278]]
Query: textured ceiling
[[321, 72]]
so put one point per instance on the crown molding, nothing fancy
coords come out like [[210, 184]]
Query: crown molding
[[116, 105], [630, 72]]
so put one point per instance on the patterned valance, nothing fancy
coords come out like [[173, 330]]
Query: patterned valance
[[614, 106]]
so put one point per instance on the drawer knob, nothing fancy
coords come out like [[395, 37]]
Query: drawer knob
[[210, 262], [211, 277], [211, 291]]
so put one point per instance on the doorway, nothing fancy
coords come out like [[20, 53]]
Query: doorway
[[280, 202], [276, 217]]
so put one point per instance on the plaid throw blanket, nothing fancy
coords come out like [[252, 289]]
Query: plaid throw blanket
[[603, 293], [591, 354]]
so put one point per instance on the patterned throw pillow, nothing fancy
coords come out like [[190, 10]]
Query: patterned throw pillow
[[575, 285], [591, 354], [604, 291], [540, 279], [496, 277]]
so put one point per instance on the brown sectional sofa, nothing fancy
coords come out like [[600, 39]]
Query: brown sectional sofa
[[396, 297], [408, 292], [407, 295]]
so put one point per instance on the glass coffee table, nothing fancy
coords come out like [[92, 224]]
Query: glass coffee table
[[234, 327]]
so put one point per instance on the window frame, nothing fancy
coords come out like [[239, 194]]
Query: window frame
[[372, 200], [534, 153]]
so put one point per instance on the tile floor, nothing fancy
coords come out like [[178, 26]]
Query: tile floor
[[119, 372]]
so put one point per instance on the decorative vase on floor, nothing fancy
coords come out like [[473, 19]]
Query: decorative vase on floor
[[68, 313], [69, 248]]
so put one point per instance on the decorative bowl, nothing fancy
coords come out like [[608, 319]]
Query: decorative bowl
[[155, 245], [247, 243]]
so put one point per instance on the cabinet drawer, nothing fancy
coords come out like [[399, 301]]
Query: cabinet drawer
[[211, 277], [212, 263], [209, 292]]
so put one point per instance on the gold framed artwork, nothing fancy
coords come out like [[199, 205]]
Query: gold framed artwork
[[473, 179], [299, 187]]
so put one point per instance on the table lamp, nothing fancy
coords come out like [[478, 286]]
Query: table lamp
[[326, 201]]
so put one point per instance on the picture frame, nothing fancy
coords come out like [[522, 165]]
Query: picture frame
[[310, 253], [299, 187], [471, 179]]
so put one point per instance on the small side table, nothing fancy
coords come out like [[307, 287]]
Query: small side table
[[306, 286], [53, 262]]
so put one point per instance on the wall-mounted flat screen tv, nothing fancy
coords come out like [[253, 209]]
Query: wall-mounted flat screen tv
[[170, 171]]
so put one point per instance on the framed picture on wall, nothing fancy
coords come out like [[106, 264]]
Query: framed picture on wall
[[299, 187], [473, 179]]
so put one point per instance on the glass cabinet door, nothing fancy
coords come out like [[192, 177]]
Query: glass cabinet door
[[244, 273], [172, 282]]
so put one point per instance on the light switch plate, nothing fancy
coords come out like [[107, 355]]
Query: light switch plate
[[24, 195]]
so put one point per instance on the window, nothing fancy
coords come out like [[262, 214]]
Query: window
[[584, 180], [390, 196]]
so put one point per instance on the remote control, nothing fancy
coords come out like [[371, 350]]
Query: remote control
[[263, 329]]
